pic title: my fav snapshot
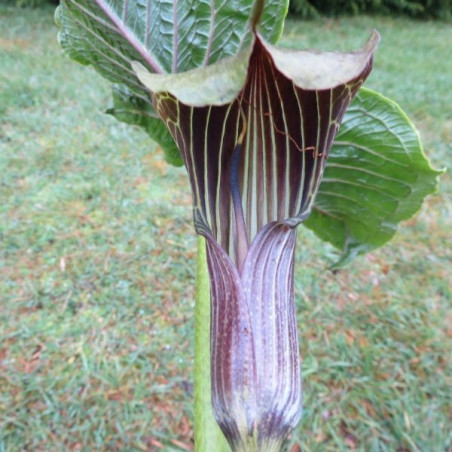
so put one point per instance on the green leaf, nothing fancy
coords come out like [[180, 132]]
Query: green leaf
[[135, 110], [164, 35], [208, 436], [377, 176]]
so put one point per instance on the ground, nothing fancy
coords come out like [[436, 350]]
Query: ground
[[97, 267]]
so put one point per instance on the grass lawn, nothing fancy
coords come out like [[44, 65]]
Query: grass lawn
[[97, 262]]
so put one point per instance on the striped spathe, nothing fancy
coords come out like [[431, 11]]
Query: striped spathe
[[254, 132]]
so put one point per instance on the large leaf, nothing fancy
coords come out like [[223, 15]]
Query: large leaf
[[377, 176], [164, 35]]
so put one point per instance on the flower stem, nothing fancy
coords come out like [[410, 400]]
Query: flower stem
[[208, 436]]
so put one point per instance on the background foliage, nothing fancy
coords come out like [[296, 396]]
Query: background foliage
[[31, 3], [309, 9], [97, 259], [437, 9]]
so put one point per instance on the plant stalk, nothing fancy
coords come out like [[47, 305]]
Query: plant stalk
[[208, 436]]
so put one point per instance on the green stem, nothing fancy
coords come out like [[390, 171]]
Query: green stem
[[208, 436]]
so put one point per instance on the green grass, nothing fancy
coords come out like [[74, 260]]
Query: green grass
[[97, 260]]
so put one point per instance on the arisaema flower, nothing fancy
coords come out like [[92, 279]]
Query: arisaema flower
[[254, 132]]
